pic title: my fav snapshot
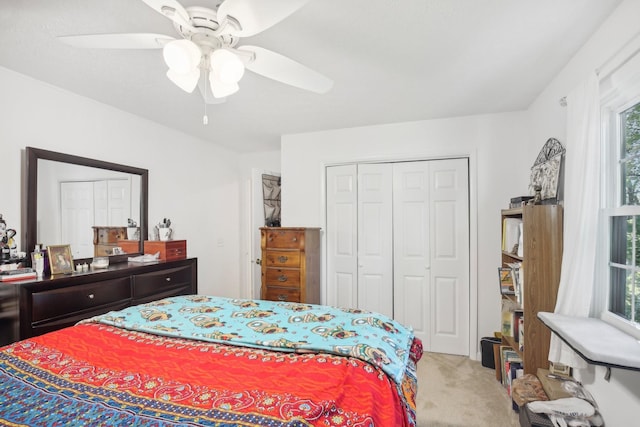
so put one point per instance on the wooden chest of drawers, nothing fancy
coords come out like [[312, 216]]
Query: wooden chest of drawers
[[290, 264]]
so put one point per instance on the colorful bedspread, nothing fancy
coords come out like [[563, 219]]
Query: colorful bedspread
[[99, 374]]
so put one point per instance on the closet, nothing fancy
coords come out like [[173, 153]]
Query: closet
[[398, 243]]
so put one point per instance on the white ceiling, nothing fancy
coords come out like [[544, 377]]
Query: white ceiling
[[391, 61]]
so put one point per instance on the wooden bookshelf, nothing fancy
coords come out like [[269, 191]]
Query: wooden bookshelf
[[541, 262]]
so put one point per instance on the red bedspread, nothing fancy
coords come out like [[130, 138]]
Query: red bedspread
[[99, 374]]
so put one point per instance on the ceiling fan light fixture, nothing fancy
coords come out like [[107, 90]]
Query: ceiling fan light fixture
[[226, 66], [220, 89], [185, 81], [182, 56]]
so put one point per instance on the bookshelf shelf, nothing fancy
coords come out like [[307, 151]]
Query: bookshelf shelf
[[540, 273]]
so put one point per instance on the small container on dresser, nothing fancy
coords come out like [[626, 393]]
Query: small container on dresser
[[169, 250], [106, 238], [290, 264]]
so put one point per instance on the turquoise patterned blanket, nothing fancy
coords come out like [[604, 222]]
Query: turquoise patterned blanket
[[284, 326]]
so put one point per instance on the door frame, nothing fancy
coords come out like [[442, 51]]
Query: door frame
[[474, 346], [256, 203]]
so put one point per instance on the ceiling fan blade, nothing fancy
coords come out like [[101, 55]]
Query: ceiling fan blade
[[118, 41], [172, 9], [255, 16], [278, 67]]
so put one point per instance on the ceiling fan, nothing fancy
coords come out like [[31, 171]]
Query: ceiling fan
[[207, 54]]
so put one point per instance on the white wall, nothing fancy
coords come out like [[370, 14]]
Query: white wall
[[193, 182], [498, 172], [619, 398]]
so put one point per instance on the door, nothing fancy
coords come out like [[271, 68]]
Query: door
[[76, 202], [375, 244], [426, 250], [342, 246], [257, 221], [431, 252]]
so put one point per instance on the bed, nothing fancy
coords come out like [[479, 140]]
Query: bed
[[210, 361]]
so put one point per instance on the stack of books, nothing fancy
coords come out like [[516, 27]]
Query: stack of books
[[17, 274]]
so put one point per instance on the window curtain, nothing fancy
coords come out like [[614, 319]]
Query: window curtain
[[581, 209]]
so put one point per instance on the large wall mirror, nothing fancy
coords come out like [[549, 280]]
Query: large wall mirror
[[98, 208]]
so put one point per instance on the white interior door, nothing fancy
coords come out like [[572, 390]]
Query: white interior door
[[431, 252], [375, 238], [119, 201], [342, 246], [449, 225], [424, 252], [257, 221], [412, 258], [76, 201]]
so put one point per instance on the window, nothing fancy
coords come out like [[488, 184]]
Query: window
[[621, 138], [624, 264]]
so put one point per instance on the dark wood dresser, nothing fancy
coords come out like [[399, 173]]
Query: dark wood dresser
[[34, 307], [290, 264]]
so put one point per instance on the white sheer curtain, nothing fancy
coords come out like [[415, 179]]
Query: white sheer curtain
[[581, 207]]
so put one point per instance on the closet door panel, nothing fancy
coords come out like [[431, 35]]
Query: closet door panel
[[375, 247], [342, 244], [449, 222], [411, 247]]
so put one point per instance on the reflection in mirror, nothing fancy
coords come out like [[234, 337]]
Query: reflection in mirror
[[98, 208], [78, 204]]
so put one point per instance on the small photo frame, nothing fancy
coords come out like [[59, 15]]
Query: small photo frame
[[60, 259], [507, 281]]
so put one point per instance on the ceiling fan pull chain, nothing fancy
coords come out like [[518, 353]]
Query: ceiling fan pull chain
[[205, 119]]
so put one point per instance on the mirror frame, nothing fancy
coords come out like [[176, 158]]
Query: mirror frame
[[31, 226]]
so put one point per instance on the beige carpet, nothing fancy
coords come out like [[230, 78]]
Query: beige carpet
[[454, 391]]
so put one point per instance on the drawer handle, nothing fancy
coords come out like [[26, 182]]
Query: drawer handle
[[282, 297], [283, 258], [282, 278], [168, 279], [91, 296], [295, 239]]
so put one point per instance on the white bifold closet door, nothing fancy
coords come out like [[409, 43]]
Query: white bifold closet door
[[398, 244]]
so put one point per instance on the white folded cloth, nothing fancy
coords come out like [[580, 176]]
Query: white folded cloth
[[569, 411]]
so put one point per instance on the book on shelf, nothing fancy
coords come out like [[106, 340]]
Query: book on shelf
[[511, 230], [508, 318], [521, 333], [508, 356]]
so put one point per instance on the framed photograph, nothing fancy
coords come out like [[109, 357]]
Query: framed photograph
[[60, 259], [507, 281]]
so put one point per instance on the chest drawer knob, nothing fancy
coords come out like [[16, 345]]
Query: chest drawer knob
[[294, 239], [168, 279], [91, 296], [283, 259], [282, 278], [282, 297]]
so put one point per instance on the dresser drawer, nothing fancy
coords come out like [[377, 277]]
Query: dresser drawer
[[161, 282], [275, 293], [282, 258], [284, 239], [59, 302], [285, 277]]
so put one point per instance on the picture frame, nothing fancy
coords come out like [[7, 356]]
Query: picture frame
[[507, 281], [60, 259]]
